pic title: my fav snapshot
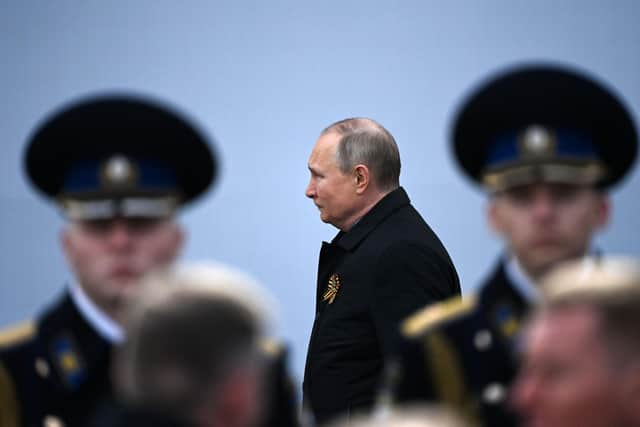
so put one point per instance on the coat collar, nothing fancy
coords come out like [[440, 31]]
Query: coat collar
[[390, 203]]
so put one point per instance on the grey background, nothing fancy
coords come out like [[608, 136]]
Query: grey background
[[264, 78]]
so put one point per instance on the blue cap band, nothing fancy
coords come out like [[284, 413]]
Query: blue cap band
[[567, 145], [88, 176]]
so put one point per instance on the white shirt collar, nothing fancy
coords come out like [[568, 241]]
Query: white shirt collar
[[524, 284], [106, 327]]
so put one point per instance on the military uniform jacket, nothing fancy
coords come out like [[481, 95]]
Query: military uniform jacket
[[387, 266], [56, 374], [503, 305], [475, 371]]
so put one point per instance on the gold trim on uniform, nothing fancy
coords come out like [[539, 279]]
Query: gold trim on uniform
[[447, 374], [17, 333], [9, 415], [417, 323], [578, 173]]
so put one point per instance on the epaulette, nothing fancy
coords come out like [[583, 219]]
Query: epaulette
[[434, 314], [271, 346], [17, 333]]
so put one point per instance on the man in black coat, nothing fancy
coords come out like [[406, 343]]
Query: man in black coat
[[384, 264]]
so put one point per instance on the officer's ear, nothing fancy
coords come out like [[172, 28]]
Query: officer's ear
[[362, 178], [179, 236], [494, 217], [66, 242], [602, 210]]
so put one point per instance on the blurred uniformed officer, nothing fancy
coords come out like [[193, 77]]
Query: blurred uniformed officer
[[118, 168], [546, 143], [581, 361]]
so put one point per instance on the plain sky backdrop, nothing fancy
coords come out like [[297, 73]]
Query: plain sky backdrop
[[263, 78]]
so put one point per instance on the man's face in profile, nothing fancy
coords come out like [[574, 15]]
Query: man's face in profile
[[332, 191]]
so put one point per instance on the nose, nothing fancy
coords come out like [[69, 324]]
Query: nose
[[543, 207], [310, 191], [119, 236]]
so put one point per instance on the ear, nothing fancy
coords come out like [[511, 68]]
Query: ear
[[179, 238], [66, 242], [362, 178], [494, 218], [603, 210]]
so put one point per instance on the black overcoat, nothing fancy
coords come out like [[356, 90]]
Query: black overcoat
[[387, 266]]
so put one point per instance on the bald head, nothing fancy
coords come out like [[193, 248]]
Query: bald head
[[607, 286], [364, 141]]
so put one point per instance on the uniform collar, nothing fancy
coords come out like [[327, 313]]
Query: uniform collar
[[522, 283], [106, 327], [385, 207], [525, 285]]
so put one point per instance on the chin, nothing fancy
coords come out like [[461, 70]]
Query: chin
[[547, 258]]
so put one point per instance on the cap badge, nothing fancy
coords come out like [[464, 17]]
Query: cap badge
[[118, 170], [537, 141], [332, 288]]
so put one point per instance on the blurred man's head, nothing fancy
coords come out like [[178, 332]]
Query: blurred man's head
[[545, 223], [109, 257], [119, 168], [581, 364], [354, 163], [546, 142], [193, 347]]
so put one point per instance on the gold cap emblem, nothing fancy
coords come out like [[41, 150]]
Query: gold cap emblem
[[118, 170], [536, 141], [332, 289]]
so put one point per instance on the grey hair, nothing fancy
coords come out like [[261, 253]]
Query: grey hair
[[610, 286], [364, 141], [187, 330]]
